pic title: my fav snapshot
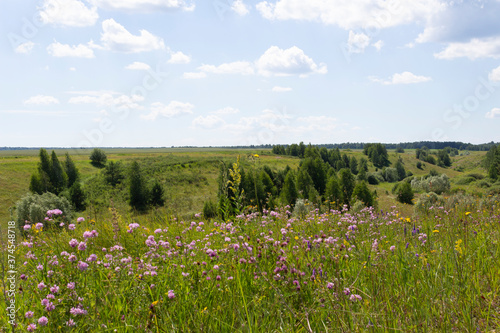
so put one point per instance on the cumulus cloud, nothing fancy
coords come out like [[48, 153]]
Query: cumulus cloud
[[108, 99], [173, 109], [352, 14], [495, 75], [25, 48], [494, 113], [357, 43], [194, 75], [378, 45], [144, 5], [239, 7], [281, 89], [41, 100], [473, 49], [71, 13], [136, 65], [284, 62], [115, 37], [274, 62], [59, 50], [402, 78], [179, 58], [237, 67]]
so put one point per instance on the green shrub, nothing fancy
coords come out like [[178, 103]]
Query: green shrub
[[34, 207], [477, 176], [209, 209], [465, 180], [300, 210], [437, 184], [483, 184], [372, 179], [428, 200], [391, 175], [405, 193]]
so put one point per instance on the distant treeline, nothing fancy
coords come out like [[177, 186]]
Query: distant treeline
[[348, 145]]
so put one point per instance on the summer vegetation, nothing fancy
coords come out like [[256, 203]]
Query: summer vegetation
[[301, 248]]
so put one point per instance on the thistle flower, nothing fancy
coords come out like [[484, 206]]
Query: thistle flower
[[43, 321]]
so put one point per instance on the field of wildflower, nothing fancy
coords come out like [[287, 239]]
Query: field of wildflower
[[336, 271]]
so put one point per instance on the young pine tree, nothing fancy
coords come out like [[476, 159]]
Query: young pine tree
[[137, 189]]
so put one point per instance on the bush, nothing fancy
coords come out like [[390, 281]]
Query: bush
[[372, 180], [209, 209], [391, 175], [405, 193], [419, 165], [77, 197], [437, 184], [429, 200], [484, 184], [476, 176], [34, 207], [98, 158], [300, 209], [465, 180]]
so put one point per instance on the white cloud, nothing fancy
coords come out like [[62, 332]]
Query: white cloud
[[108, 99], [378, 45], [495, 75], [237, 67], [402, 78], [352, 14], [226, 110], [275, 61], [279, 62], [281, 89], [71, 13], [208, 122], [194, 75], [59, 50], [144, 5], [316, 123], [116, 38], [476, 48], [173, 109], [73, 69], [179, 58], [494, 113], [357, 42], [239, 7], [25, 48], [41, 100], [138, 66]]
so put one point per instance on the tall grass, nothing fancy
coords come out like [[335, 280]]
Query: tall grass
[[339, 271]]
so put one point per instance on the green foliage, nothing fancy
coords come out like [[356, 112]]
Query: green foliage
[[77, 197], [347, 184], [419, 165], [373, 179], [36, 184], [98, 158], [353, 164], [157, 194], [71, 170], [493, 171], [289, 194], [377, 153], [391, 175], [334, 192], [436, 184], [138, 195], [405, 193], [361, 192], [400, 150], [57, 176], [300, 209], [304, 183], [444, 160], [114, 173], [34, 207], [209, 209], [401, 170]]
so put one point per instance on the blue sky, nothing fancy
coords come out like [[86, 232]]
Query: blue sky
[[239, 72]]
